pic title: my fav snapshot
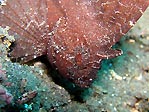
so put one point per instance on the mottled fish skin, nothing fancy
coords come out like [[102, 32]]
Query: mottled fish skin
[[74, 34]]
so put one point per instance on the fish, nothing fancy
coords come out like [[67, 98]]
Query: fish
[[74, 35]]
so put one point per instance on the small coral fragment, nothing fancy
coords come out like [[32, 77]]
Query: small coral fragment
[[5, 96], [26, 97]]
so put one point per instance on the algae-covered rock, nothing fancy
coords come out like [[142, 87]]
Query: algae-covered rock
[[23, 81]]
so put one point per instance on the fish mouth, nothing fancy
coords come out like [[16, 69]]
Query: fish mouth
[[84, 77]]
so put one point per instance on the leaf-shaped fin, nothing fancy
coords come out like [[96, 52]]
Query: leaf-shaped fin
[[28, 20], [118, 16]]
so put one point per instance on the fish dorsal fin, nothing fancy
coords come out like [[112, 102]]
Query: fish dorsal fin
[[28, 20]]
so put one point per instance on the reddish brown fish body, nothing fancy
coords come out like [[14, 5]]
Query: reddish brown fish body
[[74, 34]]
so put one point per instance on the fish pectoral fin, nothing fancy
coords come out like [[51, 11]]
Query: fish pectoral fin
[[110, 53]]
